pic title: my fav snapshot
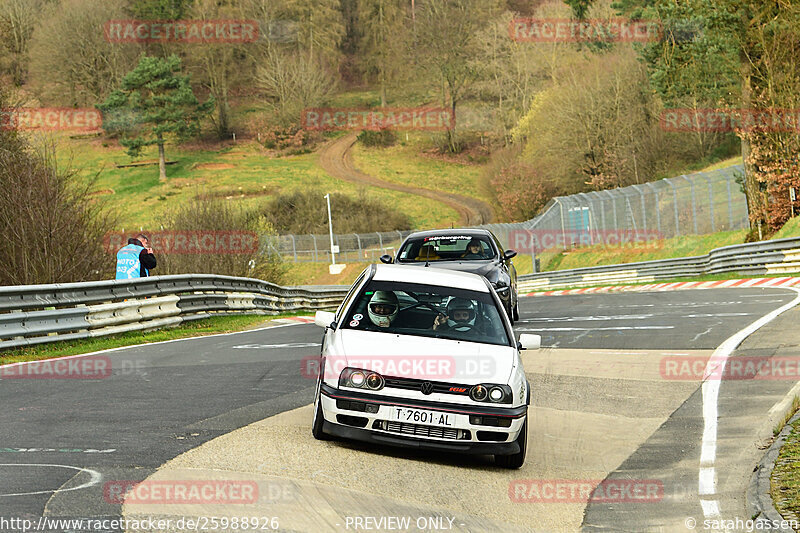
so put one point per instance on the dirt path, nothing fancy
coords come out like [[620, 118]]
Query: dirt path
[[337, 159]]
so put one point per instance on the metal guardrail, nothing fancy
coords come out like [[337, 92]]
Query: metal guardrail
[[767, 257], [36, 314]]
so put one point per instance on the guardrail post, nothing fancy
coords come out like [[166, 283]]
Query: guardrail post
[[674, 205]]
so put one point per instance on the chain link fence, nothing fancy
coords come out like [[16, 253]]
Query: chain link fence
[[705, 202]]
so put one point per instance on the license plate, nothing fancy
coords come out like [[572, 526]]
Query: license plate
[[419, 416]]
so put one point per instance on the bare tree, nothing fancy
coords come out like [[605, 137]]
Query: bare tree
[[294, 82], [17, 21], [71, 60]]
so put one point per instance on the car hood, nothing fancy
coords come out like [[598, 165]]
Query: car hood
[[424, 358], [482, 268]]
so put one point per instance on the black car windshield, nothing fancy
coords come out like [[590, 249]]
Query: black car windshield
[[427, 311], [447, 248]]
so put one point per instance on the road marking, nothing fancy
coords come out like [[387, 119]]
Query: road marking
[[706, 479], [120, 348], [96, 477], [586, 318], [270, 346], [615, 328]]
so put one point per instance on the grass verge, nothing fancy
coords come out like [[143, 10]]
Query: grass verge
[[785, 479], [199, 328]]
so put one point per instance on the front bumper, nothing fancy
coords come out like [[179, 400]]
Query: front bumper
[[379, 427]]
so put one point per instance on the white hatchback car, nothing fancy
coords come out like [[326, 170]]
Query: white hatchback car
[[424, 358]]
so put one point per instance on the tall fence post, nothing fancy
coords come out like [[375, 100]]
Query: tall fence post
[[294, 248], [380, 240], [694, 203], [657, 206], [360, 253], [316, 258], [613, 207], [674, 205], [710, 200], [644, 209], [730, 203]]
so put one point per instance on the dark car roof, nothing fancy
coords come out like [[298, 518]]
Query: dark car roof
[[447, 232]]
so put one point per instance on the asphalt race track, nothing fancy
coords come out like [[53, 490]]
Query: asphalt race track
[[600, 409]]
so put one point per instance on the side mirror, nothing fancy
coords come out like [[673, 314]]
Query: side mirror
[[324, 318], [530, 341], [386, 258], [508, 254]]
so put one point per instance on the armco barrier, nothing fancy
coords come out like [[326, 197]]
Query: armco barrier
[[35, 314], [767, 257]]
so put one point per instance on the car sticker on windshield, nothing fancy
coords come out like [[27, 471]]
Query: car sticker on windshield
[[354, 323], [358, 316]]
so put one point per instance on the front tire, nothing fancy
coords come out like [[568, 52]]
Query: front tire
[[518, 459], [319, 417]]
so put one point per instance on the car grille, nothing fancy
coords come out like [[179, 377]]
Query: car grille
[[418, 430]]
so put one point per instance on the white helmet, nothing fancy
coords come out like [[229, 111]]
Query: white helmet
[[382, 308], [461, 304]]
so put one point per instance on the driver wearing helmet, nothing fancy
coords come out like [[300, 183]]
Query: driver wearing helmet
[[382, 308], [461, 316]]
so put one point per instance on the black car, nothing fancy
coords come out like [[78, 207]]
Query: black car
[[468, 250]]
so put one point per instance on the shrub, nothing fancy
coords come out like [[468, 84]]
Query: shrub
[[209, 215], [306, 212], [381, 138]]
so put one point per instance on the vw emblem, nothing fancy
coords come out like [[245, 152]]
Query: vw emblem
[[426, 387]]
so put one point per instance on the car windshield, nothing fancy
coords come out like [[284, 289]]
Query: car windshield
[[446, 248], [427, 311]]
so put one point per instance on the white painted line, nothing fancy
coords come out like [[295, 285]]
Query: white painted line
[[706, 483], [616, 328], [9, 365], [95, 478]]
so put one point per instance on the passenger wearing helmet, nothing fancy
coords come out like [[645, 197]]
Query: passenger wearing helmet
[[474, 250], [382, 308], [461, 316]]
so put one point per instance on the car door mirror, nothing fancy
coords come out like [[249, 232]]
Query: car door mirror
[[325, 319], [508, 254], [386, 258], [529, 341]]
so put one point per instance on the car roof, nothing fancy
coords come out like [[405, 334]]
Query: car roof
[[450, 232], [430, 276]]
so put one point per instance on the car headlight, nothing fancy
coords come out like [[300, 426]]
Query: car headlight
[[361, 379], [491, 393]]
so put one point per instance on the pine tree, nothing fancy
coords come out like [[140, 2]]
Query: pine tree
[[154, 103]]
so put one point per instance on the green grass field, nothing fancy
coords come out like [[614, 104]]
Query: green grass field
[[244, 173], [405, 163]]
